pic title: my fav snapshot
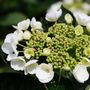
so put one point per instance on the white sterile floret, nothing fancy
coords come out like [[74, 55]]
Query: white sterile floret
[[37, 25], [80, 73], [81, 18], [30, 67], [54, 12], [68, 18], [26, 35], [23, 25], [18, 63], [45, 73]]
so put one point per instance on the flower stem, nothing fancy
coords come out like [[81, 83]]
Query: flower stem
[[21, 45], [46, 86]]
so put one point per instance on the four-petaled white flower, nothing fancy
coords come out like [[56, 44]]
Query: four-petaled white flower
[[54, 12], [18, 63], [23, 25], [37, 25], [44, 73], [80, 73], [30, 67]]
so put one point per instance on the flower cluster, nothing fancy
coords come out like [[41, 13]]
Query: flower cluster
[[64, 46]]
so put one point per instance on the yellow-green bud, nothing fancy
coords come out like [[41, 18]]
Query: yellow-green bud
[[28, 52], [26, 35], [48, 39], [46, 52], [79, 30]]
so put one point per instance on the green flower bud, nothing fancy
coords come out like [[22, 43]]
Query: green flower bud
[[68, 18], [46, 52], [87, 51], [28, 52]]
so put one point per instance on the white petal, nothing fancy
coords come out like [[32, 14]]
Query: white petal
[[56, 6], [80, 73], [36, 24], [7, 48], [11, 57], [17, 36], [8, 38], [81, 18], [15, 27], [30, 67], [18, 63], [44, 73], [53, 15], [23, 25]]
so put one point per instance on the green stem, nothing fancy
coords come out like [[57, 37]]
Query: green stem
[[46, 86], [21, 45]]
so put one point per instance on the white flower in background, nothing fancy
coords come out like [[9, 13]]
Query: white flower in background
[[23, 25], [44, 73], [80, 73], [68, 2], [18, 63], [54, 12], [81, 18], [26, 35], [86, 7], [68, 18], [30, 67], [36, 24]]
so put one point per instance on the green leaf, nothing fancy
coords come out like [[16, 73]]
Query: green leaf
[[12, 18]]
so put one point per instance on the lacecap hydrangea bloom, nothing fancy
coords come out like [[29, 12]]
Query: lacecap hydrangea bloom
[[64, 46]]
